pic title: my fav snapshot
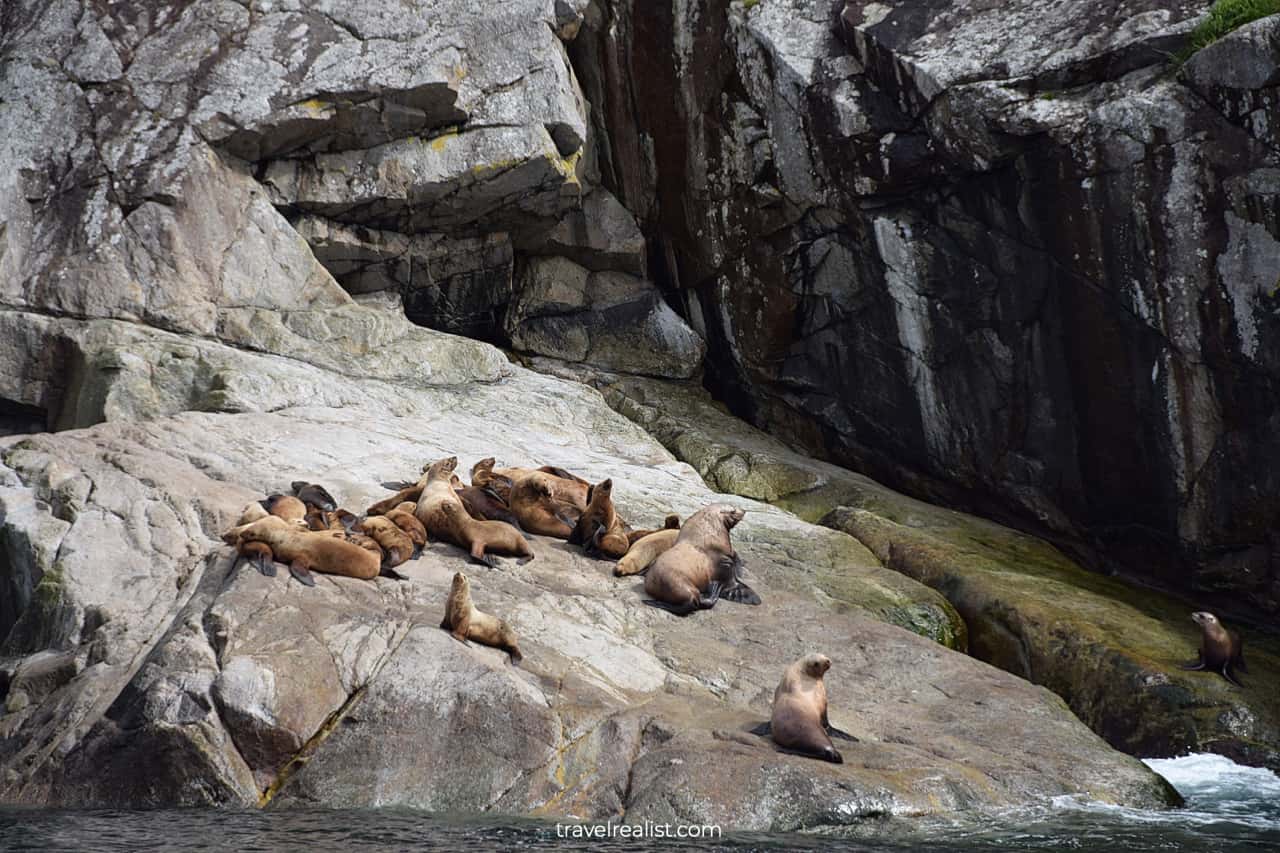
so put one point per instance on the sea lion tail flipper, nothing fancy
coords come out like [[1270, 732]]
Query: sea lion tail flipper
[[1226, 673], [396, 485], [479, 556], [765, 729], [677, 609], [264, 564], [302, 573], [740, 593], [1193, 665], [514, 656], [491, 492], [832, 731], [830, 754], [557, 472], [709, 598], [388, 572]]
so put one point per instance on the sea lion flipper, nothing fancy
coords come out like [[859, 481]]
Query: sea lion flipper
[[1226, 673], [740, 593], [1193, 665], [763, 730], [265, 565], [396, 485], [709, 598], [388, 572], [832, 731], [485, 559], [303, 574]]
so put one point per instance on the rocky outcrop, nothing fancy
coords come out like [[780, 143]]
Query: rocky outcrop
[[1110, 649], [1003, 256], [147, 670]]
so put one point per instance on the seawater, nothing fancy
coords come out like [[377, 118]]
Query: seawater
[[1229, 808]]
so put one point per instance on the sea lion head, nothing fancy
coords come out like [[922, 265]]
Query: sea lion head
[[407, 506], [731, 515], [461, 585], [455, 481], [1205, 619], [816, 665], [671, 522], [604, 489], [443, 466], [485, 464]]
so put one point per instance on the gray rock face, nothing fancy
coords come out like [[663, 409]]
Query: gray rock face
[[168, 677], [998, 255]]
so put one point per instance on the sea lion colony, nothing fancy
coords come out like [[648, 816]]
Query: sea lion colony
[[686, 567]]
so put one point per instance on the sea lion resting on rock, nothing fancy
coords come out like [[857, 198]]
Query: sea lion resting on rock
[[799, 720], [402, 516], [600, 531], [442, 514], [547, 504], [465, 622], [701, 566], [285, 506], [1221, 650], [305, 551], [644, 551], [396, 544]]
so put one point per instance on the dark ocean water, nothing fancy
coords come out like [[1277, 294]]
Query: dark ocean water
[[1228, 808]]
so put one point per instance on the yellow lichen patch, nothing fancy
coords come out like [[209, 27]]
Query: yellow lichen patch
[[315, 106], [439, 141]]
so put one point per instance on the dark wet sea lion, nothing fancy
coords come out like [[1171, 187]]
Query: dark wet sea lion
[[799, 721], [465, 622], [485, 505], [313, 494], [1221, 650], [600, 531], [701, 567]]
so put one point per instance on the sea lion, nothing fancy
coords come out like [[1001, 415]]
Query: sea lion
[[465, 622], [485, 505], [407, 494], [599, 530], [252, 512], [701, 567], [402, 516], [285, 506], [547, 504], [1221, 650], [395, 542], [799, 721], [671, 522], [313, 494], [304, 551], [442, 514], [644, 551]]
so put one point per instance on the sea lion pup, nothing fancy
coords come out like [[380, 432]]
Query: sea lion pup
[[1221, 650], [671, 522], [396, 544], [402, 516], [313, 494], [644, 551], [599, 530], [799, 720], [305, 551], [442, 514], [701, 567], [285, 506], [465, 622]]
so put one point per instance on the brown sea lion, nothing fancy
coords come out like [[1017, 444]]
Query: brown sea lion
[[305, 551], [396, 544], [402, 516], [314, 495], [465, 622], [442, 514], [408, 494], [600, 531], [799, 721], [285, 506], [1221, 650], [252, 512], [644, 551], [547, 504], [485, 505], [671, 522], [701, 567]]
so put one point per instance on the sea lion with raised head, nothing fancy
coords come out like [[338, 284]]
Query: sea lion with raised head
[[442, 514], [799, 721], [465, 622], [701, 567], [644, 551], [1221, 650], [600, 531], [305, 551]]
